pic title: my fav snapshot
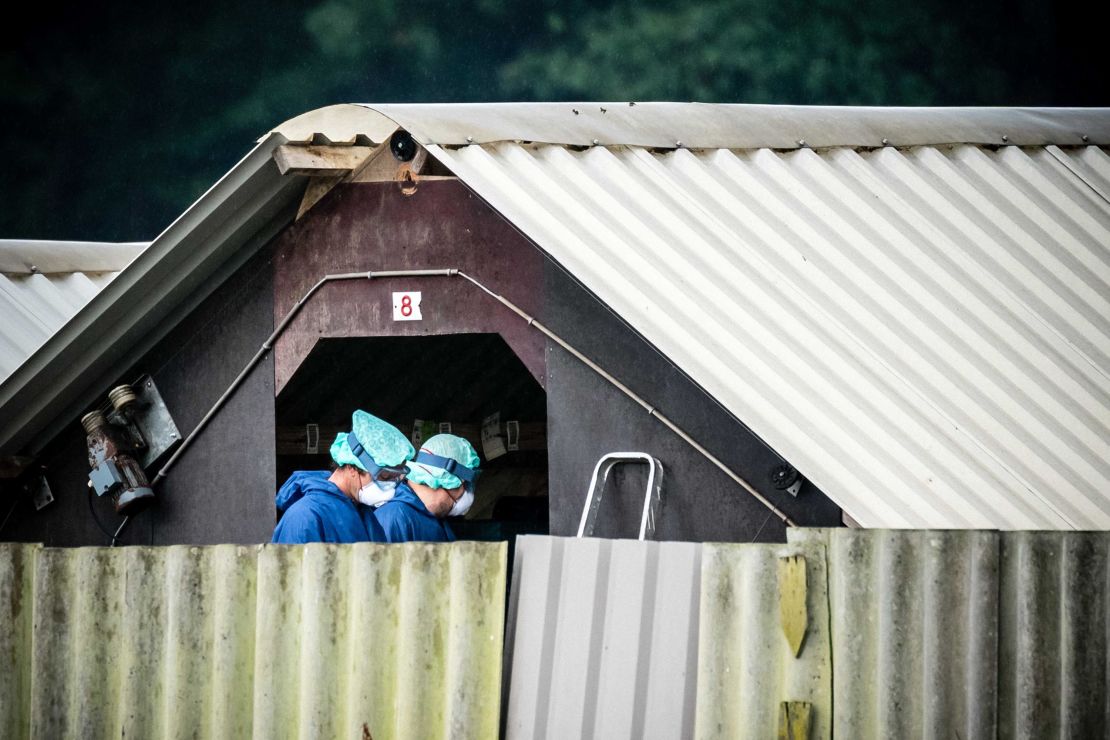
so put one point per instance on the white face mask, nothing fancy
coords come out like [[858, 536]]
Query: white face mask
[[376, 493], [463, 504]]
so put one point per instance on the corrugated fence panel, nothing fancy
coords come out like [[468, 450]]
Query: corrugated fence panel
[[604, 637], [228, 641], [914, 621], [911, 633], [143, 642], [1055, 620], [969, 634], [17, 564], [394, 641], [746, 667]]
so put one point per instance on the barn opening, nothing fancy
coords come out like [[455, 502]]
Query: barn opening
[[462, 383]]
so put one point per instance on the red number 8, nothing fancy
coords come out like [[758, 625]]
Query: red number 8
[[406, 305]]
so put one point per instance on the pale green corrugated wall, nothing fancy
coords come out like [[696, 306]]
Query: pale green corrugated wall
[[746, 668], [310, 642], [16, 572], [968, 633]]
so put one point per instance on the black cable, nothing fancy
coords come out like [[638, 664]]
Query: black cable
[[9, 516], [92, 510]]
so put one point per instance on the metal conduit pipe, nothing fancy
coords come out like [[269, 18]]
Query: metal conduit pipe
[[652, 411], [370, 275]]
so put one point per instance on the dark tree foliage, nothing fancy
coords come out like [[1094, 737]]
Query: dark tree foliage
[[117, 116]]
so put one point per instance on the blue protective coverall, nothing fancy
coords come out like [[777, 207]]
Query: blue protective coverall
[[404, 518], [315, 510]]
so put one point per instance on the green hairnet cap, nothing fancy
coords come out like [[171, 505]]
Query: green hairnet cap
[[444, 445], [382, 440]]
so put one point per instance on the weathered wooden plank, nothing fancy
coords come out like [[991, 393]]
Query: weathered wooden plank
[[320, 160], [792, 600], [794, 720]]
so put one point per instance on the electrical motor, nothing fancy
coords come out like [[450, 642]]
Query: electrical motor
[[114, 470]]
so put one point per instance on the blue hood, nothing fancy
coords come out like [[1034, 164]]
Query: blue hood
[[300, 483]]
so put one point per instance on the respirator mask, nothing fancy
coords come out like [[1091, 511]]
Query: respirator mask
[[383, 478], [376, 493], [462, 505], [469, 477]]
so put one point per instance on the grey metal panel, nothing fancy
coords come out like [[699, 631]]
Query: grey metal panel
[[923, 332], [603, 637], [698, 125], [192, 367], [746, 667], [274, 641]]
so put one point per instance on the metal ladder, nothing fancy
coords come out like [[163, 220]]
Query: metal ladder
[[652, 494]]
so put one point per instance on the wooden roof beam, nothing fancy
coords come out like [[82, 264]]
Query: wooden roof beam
[[320, 160]]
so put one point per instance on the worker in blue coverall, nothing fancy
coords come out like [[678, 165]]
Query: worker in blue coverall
[[335, 506], [440, 483]]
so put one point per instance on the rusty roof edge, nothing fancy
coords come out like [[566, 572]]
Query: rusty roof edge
[[703, 125]]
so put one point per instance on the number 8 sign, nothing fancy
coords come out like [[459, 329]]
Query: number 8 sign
[[406, 306]]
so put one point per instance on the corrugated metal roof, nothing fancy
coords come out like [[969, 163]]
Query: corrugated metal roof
[[603, 639], [163, 284], [43, 284], [923, 333], [700, 125], [272, 641]]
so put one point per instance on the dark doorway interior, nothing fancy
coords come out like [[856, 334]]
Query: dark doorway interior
[[455, 379]]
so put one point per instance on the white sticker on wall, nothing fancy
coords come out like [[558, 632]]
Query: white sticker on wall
[[406, 306], [492, 444]]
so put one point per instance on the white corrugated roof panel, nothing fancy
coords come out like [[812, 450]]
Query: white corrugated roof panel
[[700, 125], [923, 332], [43, 284]]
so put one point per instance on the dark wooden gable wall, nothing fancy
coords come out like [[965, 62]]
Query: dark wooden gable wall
[[374, 227], [222, 489]]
